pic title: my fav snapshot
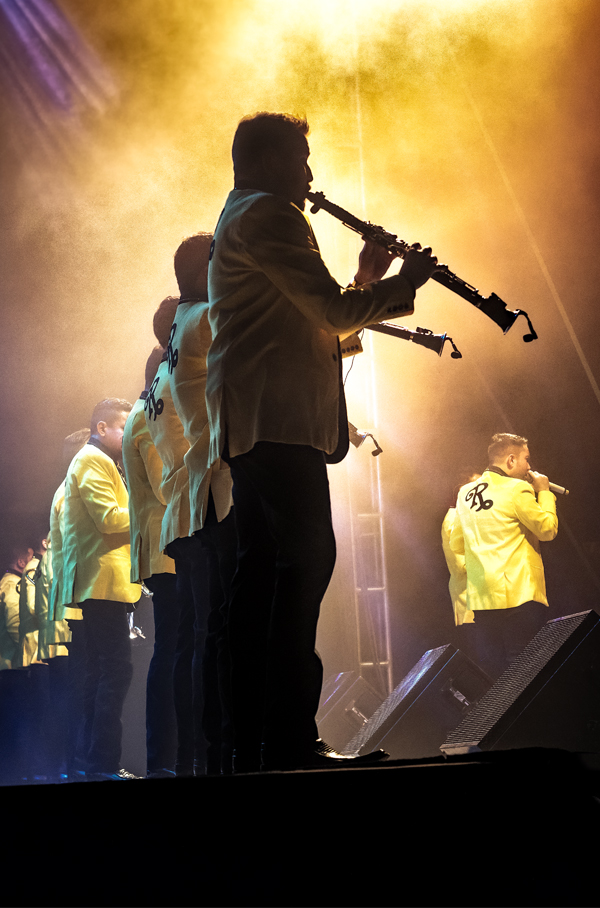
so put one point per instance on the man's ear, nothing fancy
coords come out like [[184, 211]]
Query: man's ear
[[271, 163], [101, 428]]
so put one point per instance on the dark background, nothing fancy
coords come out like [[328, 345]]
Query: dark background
[[471, 127]]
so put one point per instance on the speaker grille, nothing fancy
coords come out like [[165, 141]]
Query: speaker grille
[[519, 676], [405, 689]]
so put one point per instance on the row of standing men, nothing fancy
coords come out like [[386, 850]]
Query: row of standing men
[[123, 521], [271, 386]]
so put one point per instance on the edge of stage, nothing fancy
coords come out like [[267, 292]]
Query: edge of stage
[[503, 828]]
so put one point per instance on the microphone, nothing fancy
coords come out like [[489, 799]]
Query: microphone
[[558, 490]]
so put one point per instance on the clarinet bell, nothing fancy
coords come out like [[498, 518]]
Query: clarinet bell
[[529, 337], [497, 310]]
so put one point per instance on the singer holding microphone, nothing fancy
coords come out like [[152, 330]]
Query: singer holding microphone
[[501, 518]]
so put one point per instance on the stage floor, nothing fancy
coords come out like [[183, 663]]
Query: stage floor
[[505, 828]]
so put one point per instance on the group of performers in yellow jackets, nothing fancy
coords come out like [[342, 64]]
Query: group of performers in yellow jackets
[[243, 403]]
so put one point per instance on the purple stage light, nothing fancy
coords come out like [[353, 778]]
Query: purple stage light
[[50, 74]]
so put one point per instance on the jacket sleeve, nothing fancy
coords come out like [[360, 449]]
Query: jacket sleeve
[[454, 560], [538, 516], [456, 543], [97, 490], [11, 605], [154, 466], [280, 241]]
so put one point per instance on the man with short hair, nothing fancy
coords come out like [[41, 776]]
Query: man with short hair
[[501, 517], [143, 470], [211, 514], [177, 421], [166, 432], [65, 625], [96, 575], [277, 415], [149, 564]]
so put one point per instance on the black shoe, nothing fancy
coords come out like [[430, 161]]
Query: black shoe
[[76, 775], [321, 756], [160, 774], [120, 776]]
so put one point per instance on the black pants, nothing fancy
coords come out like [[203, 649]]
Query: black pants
[[23, 698], [161, 721], [14, 698], [109, 670], [286, 556], [76, 759], [503, 633], [57, 724], [192, 593], [219, 541], [205, 564]]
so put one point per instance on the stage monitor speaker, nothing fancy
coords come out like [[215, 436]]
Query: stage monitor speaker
[[347, 702], [548, 697], [414, 720]]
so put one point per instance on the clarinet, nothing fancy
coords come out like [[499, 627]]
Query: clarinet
[[491, 305], [422, 336]]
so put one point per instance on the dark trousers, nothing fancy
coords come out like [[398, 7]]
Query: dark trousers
[[109, 670], [14, 700], [23, 707], [38, 720], [76, 668], [44, 718], [502, 633], [219, 541], [286, 556], [161, 720], [205, 564], [192, 593], [58, 716]]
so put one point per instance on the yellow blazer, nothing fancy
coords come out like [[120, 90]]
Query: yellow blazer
[[58, 613], [51, 634], [143, 470], [43, 583], [498, 527], [275, 315], [28, 627], [95, 543], [10, 584], [43, 580], [188, 348], [457, 584], [166, 432]]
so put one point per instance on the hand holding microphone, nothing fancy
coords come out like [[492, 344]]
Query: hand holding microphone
[[541, 483]]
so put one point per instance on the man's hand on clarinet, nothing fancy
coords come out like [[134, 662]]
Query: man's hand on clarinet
[[373, 262], [418, 266]]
